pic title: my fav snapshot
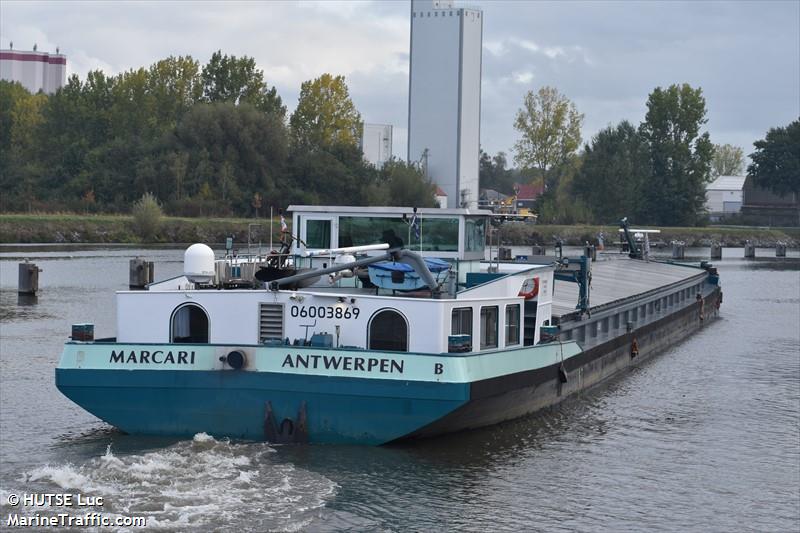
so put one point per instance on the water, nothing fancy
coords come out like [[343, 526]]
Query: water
[[705, 437]]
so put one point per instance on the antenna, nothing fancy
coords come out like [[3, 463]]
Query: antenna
[[35, 46]]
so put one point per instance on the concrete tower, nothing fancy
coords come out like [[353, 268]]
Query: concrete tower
[[444, 96]]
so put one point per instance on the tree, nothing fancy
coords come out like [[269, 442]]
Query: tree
[[493, 173], [237, 80], [613, 175], [401, 184], [776, 161], [728, 160], [325, 115], [550, 128], [680, 156], [146, 216]]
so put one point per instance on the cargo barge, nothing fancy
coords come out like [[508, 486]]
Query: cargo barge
[[337, 339]]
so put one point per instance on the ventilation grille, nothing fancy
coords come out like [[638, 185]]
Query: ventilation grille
[[271, 322]]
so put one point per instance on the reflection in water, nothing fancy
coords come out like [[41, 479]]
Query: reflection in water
[[27, 299], [704, 437]]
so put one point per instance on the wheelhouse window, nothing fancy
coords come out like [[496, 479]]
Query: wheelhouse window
[[189, 325], [460, 330], [474, 234], [388, 331], [512, 324], [436, 234], [318, 234], [489, 327]]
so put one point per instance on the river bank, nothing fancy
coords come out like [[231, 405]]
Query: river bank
[[120, 229]]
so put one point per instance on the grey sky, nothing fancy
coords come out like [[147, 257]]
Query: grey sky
[[605, 56]]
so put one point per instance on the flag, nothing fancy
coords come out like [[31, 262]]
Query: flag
[[415, 226], [284, 227]]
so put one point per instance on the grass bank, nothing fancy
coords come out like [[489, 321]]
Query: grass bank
[[120, 229], [70, 228]]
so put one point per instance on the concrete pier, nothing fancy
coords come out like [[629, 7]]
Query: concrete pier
[[678, 249], [716, 250], [538, 249], [140, 273], [749, 250], [28, 278], [780, 249]]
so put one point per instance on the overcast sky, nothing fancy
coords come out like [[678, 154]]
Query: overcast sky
[[605, 56]]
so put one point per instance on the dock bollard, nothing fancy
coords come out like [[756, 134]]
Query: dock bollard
[[716, 250], [749, 249], [140, 273], [28, 278], [678, 251], [780, 249]]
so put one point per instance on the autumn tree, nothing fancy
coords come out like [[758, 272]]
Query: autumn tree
[[680, 155], [550, 129], [325, 115], [728, 160], [776, 161]]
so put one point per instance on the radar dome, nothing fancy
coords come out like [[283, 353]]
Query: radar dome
[[198, 263]]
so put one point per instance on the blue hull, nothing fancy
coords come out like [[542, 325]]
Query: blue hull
[[238, 404]]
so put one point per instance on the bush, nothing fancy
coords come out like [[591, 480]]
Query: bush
[[146, 217]]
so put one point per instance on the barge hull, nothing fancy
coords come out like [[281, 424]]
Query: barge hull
[[516, 395]]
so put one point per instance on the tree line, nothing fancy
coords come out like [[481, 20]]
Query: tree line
[[654, 173], [210, 140]]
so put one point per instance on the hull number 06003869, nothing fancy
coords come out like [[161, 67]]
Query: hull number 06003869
[[324, 311]]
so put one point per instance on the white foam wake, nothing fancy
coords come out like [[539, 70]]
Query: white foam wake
[[201, 483]]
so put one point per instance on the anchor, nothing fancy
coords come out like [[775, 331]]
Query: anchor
[[288, 431]]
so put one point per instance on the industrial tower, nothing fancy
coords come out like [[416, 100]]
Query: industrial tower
[[444, 96]]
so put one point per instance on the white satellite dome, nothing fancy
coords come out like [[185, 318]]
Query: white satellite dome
[[198, 263]]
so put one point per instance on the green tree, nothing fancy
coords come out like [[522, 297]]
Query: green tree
[[680, 156], [776, 161], [612, 177], [237, 80], [237, 150], [147, 216], [550, 129], [493, 173], [402, 185], [728, 160], [325, 116]]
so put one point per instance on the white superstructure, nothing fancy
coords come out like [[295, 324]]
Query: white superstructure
[[376, 143], [36, 71], [445, 96]]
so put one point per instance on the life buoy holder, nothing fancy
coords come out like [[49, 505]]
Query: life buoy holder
[[530, 288]]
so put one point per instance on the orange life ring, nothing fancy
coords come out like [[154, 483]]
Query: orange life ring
[[530, 288]]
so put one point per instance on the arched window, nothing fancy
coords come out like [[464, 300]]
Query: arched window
[[189, 325], [388, 331]]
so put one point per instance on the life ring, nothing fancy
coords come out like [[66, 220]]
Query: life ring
[[530, 288]]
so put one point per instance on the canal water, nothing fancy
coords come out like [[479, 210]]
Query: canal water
[[704, 437]]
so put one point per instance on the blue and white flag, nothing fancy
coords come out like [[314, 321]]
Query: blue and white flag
[[415, 226], [284, 227]]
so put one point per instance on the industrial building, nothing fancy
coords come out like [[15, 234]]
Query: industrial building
[[36, 71], [724, 197], [376, 143], [444, 100]]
